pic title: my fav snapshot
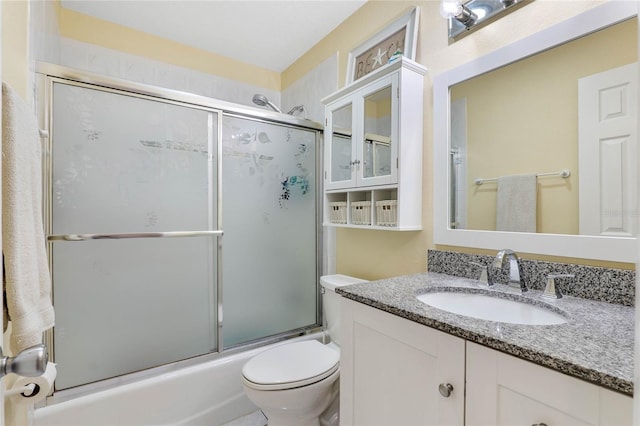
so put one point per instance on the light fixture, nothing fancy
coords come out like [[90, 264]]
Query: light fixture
[[454, 9], [473, 14]]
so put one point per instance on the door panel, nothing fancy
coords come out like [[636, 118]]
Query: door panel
[[608, 139], [125, 164]]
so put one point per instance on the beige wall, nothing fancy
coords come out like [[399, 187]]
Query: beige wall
[[15, 46], [379, 254], [84, 28], [523, 119]]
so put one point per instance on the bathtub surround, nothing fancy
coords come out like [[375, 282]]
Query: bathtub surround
[[314, 86], [114, 63], [591, 282]]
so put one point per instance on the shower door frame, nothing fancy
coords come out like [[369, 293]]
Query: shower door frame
[[49, 74]]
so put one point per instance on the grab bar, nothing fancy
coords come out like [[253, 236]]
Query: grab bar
[[174, 234]]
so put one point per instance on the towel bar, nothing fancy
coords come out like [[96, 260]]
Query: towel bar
[[565, 173], [175, 234]]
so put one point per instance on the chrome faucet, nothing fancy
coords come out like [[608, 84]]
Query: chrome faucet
[[515, 280]]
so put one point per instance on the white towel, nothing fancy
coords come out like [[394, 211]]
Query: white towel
[[27, 282], [517, 203]]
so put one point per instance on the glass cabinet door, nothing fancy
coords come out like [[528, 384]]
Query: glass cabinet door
[[379, 143], [377, 134], [361, 149], [341, 150]]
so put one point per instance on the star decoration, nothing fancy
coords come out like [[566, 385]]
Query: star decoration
[[378, 58]]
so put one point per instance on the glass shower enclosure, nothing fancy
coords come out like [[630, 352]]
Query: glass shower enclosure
[[177, 227]]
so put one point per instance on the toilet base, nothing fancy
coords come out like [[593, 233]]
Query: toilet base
[[331, 416], [299, 406]]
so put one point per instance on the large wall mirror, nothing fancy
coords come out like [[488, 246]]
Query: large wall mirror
[[536, 143]]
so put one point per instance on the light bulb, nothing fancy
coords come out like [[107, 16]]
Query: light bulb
[[450, 8], [455, 9]]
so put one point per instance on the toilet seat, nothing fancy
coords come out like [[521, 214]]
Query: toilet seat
[[291, 366]]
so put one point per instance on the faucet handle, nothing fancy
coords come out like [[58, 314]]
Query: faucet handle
[[551, 291], [485, 278]]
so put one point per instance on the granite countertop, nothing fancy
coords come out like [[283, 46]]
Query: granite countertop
[[596, 344]]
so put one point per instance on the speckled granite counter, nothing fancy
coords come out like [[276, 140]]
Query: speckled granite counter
[[596, 344]]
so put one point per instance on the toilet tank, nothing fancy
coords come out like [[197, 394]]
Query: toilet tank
[[331, 302]]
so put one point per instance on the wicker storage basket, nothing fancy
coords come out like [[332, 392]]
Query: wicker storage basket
[[387, 213], [361, 212], [338, 212]]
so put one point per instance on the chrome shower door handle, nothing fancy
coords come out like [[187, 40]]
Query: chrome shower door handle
[[131, 235], [31, 362]]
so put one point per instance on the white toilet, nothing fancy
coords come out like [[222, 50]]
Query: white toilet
[[296, 383]]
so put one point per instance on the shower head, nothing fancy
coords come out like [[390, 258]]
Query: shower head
[[297, 108], [262, 100]]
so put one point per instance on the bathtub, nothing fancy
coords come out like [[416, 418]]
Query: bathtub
[[208, 394]]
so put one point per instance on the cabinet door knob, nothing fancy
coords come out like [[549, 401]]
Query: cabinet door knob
[[539, 424], [445, 390]]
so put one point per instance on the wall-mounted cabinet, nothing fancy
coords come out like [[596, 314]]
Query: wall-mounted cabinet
[[373, 150]]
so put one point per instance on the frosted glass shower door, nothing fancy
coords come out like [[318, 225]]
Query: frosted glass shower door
[[270, 241], [126, 164]]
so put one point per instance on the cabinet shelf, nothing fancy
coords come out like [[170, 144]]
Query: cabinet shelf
[[374, 228], [376, 208]]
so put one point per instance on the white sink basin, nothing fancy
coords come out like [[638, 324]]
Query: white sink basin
[[487, 307]]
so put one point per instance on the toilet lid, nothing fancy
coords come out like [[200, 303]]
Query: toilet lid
[[292, 365]]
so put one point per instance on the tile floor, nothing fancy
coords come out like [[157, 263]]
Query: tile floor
[[254, 419]]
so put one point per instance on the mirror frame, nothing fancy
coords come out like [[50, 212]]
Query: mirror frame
[[617, 249]]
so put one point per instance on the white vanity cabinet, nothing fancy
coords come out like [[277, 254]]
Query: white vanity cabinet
[[373, 150], [505, 390], [391, 369]]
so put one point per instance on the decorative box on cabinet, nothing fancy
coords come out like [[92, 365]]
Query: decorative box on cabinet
[[373, 149]]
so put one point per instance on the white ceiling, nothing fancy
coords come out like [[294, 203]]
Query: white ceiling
[[271, 34]]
